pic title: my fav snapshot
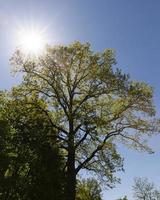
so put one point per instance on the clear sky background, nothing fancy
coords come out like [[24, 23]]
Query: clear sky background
[[131, 27]]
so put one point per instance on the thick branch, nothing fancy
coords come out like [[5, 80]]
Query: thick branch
[[82, 139], [99, 147], [47, 114], [54, 88]]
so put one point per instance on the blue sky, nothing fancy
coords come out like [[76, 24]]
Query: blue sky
[[131, 27]]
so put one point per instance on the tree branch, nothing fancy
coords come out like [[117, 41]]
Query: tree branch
[[47, 114], [99, 147]]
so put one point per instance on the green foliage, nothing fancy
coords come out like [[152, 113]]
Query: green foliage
[[31, 164], [124, 198], [88, 190], [89, 104]]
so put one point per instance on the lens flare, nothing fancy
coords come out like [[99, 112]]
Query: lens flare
[[31, 41]]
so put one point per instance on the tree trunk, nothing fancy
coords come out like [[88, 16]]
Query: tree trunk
[[71, 172], [71, 177]]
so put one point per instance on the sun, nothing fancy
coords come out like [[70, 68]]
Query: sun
[[31, 41]]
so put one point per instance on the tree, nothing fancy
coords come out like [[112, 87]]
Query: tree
[[90, 105], [145, 190], [31, 164], [123, 198], [88, 190]]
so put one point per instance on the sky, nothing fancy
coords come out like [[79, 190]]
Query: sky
[[131, 27]]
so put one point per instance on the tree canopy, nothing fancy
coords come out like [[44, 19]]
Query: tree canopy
[[31, 164], [88, 189], [89, 104], [145, 190], [123, 198]]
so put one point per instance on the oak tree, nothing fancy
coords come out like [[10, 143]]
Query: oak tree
[[90, 104]]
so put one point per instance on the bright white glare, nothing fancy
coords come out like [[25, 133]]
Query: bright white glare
[[31, 41]]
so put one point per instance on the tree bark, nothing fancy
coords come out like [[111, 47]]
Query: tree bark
[[71, 176], [71, 171]]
